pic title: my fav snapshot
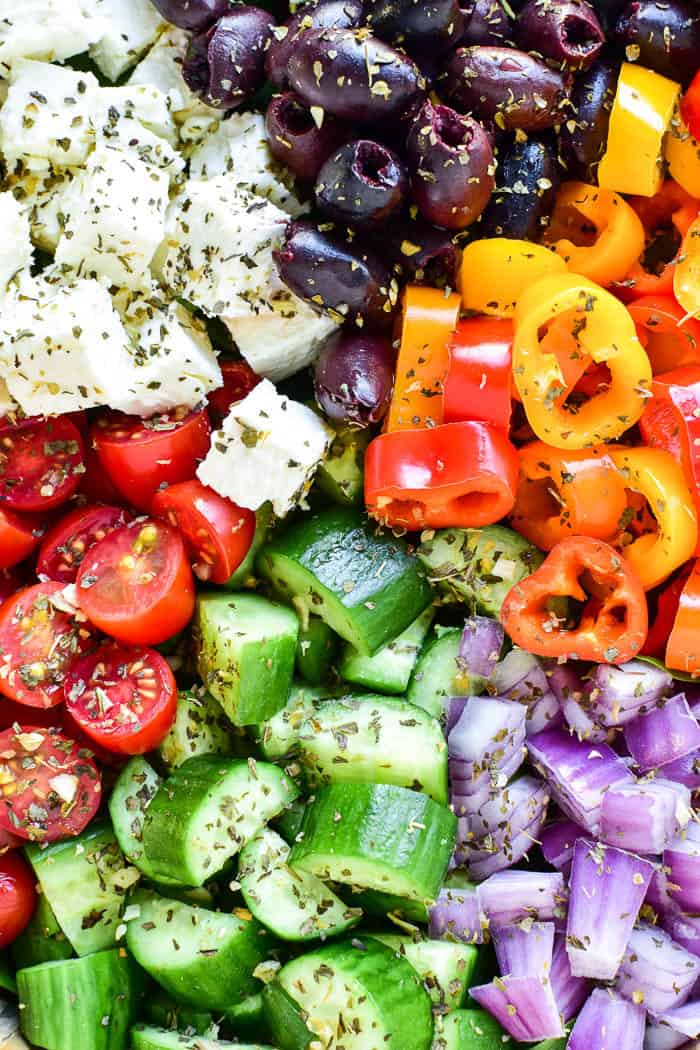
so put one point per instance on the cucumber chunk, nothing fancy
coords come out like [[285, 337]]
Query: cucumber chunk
[[244, 576], [389, 670], [249, 1018], [358, 995], [200, 728], [439, 674], [206, 810], [144, 1037], [277, 736], [202, 958], [42, 940], [162, 1010], [131, 796], [341, 476], [378, 739], [395, 909], [444, 968], [362, 582], [81, 1004], [377, 836], [469, 1030], [316, 650], [84, 880], [294, 905], [245, 647]]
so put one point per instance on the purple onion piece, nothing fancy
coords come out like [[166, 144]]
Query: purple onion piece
[[666, 733], [658, 897], [511, 896], [572, 689], [480, 646], [685, 770], [557, 842], [454, 706], [525, 950], [656, 971], [682, 862], [467, 780], [684, 929], [487, 734], [523, 1006], [620, 693], [609, 1020], [519, 676], [570, 992], [606, 890], [683, 1019], [483, 863], [658, 1036], [517, 806], [457, 916], [644, 817]]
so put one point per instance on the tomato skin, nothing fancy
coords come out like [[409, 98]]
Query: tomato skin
[[95, 484], [17, 897], [141, 690], [217, 532], [20, 534], [41, 463], [65, 545], [239, 380], [136, 584], [142, 456]]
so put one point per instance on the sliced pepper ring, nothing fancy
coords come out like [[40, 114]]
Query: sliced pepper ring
[[496, 271], [686, 278], [683, 647], [670, 338]]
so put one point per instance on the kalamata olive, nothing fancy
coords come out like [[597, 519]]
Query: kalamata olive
[[663, 35], [528, 178], [227, 63], [352, 74], [336, 275], [421, 253], [510, 87], [608, 11], [195, 15], [584, 134], [363, 184], [452, 167], [567, 31], [486, 23], [417, 25], [354, 377], [335, 14], [296, 140]]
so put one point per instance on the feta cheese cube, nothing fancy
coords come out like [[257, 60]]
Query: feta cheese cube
[[52, 30], [162, 68], [143, 102], [48, 116], [217, 251], [282, 340], [129, 28], [238, 147], [115, 218], [267, 449], [15, 247]]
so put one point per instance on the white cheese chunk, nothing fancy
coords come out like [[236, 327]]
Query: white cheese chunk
[[44, 195], [129, 28], [143, 102], [52, 30], [268, 449], [15, 245], [162, 68]]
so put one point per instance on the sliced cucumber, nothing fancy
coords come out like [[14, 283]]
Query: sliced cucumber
[[377, 836], [340, 475], [200, 728], [202, 958], [8, 981], [285, 1020], [79, 1004], [294, 905], [358, 995], [131, 796], [444, 968], [245, 648], [316, 650], [288, 824], [42, 940], [162, 1010], [249, 1018], [206, 810], [389, 670], [374, 738], [363, 583], [469, 1030], [84, 880], [439, 674], [397, 910], [144, 1037], [244, 576], [277, 736]]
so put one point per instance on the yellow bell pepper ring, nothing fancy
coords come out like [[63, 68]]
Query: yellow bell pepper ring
[[497, 270], [683, 156], [686, 276], [606, 255], [598, 325], [656, 475], [640, 117]]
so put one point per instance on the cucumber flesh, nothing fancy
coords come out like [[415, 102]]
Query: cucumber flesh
[[144, 1037], [248, 1018], [87, 1003], [42, 940], [438, 675], [202, 958], [469, 1030], [131, 796], [397, 910], [200, 728], [316, 650], [376, 739], [340, 476], [389, 670], [285, 1019], [162, 1011], [444, 968], [277, 736], [294, 905], [244, 576]]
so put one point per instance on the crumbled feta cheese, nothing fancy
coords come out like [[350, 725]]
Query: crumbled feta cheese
[[15, 246], [279, 342], [218, 247], [115, 218], [131, 135], [267, 449], [129, 28], [143, 102], [162, 68], [52, 30], [8, 404], [43, 196], [48, 116], [238, 147]]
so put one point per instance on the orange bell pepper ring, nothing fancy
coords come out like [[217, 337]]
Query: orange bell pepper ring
[[428, 318], [606, 254], [612, 626], [683, 646], [562, 494], [686, 279], [683, 156], [602, 329], [670, 338], [497, 270]]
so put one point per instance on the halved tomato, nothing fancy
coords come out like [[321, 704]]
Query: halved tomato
[[66, 544], [239, 379], [41, 463], [19, 535], [17, 897]]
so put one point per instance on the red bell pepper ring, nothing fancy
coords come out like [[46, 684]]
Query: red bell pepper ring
[[670, 338], [683, 647], [612, 627], [690, 107], [667, 602], [462, 474], [478, 381]]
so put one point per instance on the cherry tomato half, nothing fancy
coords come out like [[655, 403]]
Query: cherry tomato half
[[39, 640], [136, 584], [66, 544], [217, 532], [51, 787], [41, 463], [17, 897], [11, 580], [142, 455], [95, 484], [125, 699], [19, 535], [239, 379]]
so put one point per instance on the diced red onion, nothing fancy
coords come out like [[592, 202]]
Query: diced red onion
[[578, 773], [620, 693], [666, 733], [661, 1037], [457, 916], [658, 897], [684, 1019], [525, 949], [523, 1006], [487, 733], [558, 840], [685, 770], [685, 930], [466, 782], [486, 862], [511, 896], [453, 707], [606, 890], [480, 646], [656, 971], [682, 861], [519, 676], [608, 1021], [570, 992], [573, 695], [644, 817], [518, 805]]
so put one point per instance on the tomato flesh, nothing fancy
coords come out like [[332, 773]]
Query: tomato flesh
[[41, 463], [50, 787], [66, 544], [17, 897], [20, 534], [238, 381], [136, 584]]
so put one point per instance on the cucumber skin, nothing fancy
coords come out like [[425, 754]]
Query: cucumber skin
[[469, 1030], [145, 1037], [249, 1018], [161, 1010], [375, 830], [374, 586], [284, 1019], [82, 993], [316, 650], [42, 940], [243, 577], [389, 670], [133, 792], [445, 968]]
